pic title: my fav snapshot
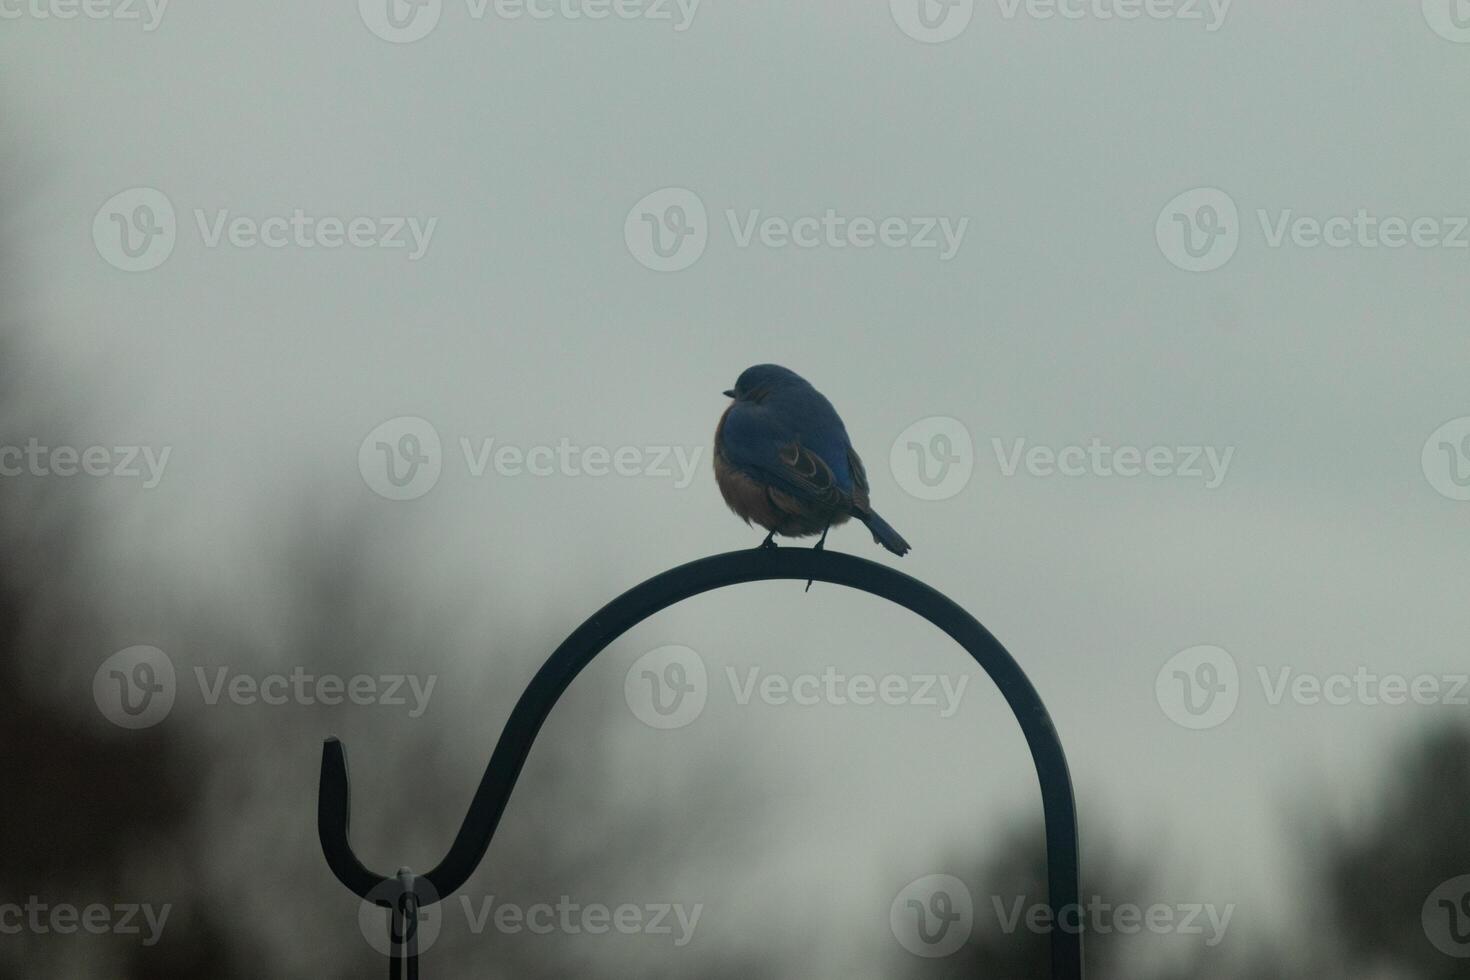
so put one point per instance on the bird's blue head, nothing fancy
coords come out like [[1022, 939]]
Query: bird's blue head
[[755, 383]]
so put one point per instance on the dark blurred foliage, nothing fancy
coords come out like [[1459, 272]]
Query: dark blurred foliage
[[1375, 878], [1013, 879], [1366, 882], [84, 806]]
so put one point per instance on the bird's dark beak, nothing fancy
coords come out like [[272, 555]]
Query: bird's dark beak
[[729, 393]]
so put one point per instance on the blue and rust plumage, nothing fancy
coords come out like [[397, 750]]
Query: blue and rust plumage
[[783, 460]]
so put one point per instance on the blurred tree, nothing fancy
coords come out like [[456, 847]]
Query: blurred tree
[[1363, 898], [1376, 877]]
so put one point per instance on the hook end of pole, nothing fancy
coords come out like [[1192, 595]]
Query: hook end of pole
[[333, 817], [333, 787]]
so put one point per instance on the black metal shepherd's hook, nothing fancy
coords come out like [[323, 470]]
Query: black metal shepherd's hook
[[406, 893]]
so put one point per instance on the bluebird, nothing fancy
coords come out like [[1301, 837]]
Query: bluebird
[[783, 460]]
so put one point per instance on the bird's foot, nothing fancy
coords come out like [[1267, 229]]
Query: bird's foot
[[769, 544]]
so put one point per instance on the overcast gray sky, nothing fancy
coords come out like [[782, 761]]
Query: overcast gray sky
[[1062, 309]]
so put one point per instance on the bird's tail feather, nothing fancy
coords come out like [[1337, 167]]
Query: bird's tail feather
[[884, 534]]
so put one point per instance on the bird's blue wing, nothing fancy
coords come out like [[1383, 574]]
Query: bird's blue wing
[[758, 442]]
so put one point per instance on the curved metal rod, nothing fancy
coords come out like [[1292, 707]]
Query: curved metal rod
[[660, 592]]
